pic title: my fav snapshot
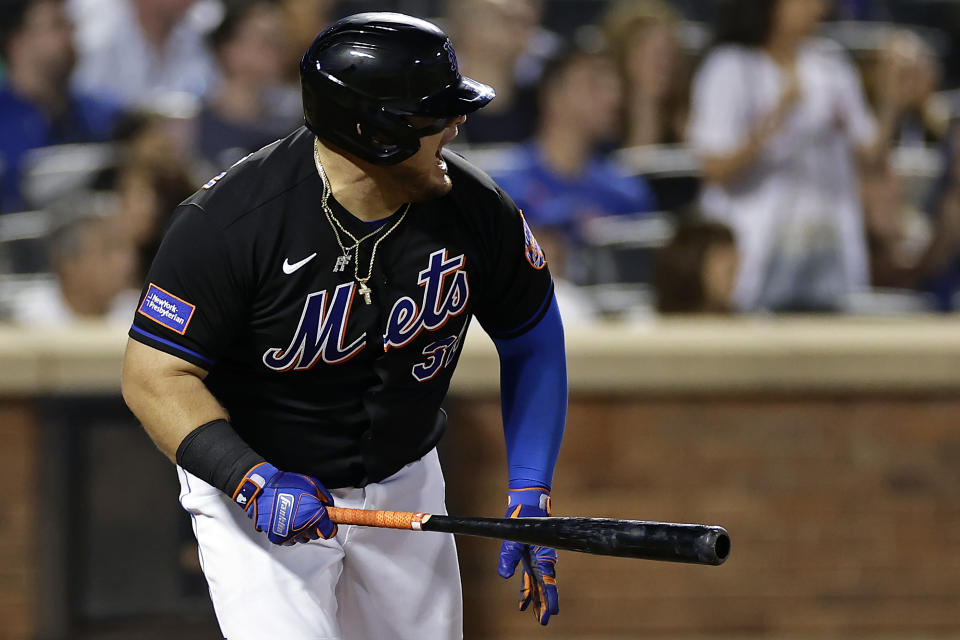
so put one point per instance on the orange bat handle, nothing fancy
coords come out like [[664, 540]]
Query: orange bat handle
[[383, 519]]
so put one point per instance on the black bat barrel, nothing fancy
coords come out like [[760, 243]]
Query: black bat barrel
[[691, 543]]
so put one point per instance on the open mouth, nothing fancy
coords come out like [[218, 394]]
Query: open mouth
[[440, 161], [448, 137]]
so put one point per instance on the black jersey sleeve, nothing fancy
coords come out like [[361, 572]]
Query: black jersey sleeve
[[194, 301], [519, 287]]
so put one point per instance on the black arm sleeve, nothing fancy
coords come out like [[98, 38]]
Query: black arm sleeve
[[217, 455]]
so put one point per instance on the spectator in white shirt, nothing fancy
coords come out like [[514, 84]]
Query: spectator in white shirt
[[779, 120], [138, 50]]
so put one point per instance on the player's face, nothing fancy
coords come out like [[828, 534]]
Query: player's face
[[423, 176]]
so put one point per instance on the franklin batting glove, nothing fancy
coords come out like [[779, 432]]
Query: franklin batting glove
[[290, 507], [539, 563]]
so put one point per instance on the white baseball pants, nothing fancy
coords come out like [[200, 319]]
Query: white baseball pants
[[365, 584]]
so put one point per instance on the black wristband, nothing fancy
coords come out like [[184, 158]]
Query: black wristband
[[217, 455]]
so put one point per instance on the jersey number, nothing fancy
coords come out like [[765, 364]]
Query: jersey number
[[439, 354]]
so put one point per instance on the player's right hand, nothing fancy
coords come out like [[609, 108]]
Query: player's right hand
[[290, 507], [539, 585]]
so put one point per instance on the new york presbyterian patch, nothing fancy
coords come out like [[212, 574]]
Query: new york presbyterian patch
[[167, 309], [532, 249]]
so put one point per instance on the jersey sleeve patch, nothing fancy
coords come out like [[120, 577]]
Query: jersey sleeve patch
[[167, 309], [532, 248]]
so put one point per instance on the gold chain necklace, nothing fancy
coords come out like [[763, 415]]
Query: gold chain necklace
[[343, 260]]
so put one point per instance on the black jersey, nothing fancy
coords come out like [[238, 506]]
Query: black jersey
[[250, 284]]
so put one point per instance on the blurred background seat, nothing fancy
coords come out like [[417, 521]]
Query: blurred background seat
[[52, 173], [622, 248], [23, 238], [672, 171]]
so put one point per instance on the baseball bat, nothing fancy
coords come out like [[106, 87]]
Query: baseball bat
[[668, 541]]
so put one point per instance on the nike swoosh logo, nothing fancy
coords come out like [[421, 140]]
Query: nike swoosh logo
[[290, 268]]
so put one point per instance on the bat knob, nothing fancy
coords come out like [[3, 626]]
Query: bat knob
[[714, 546]]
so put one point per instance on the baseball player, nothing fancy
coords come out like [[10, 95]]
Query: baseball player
[[298, 331]]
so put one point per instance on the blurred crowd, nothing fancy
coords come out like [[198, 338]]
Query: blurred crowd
[[725, 156]]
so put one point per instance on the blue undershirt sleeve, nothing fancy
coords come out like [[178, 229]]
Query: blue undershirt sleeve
[[533, 398]]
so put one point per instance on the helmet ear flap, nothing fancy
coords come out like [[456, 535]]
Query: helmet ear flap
[[389, 133], [372, 134]]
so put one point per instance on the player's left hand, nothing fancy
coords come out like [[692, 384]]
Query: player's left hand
[[539, 563]]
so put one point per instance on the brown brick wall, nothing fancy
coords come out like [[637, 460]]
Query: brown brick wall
[[844, 515], [17, 480]]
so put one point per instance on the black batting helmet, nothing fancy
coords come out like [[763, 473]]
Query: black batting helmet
[[365, 74]]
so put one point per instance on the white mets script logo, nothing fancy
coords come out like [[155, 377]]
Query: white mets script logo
[[407, 319], [321, 332]]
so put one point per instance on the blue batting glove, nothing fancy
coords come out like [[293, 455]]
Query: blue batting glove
[[290, 507], [539, 563]]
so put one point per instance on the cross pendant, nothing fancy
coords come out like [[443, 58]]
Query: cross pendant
[[365, 291], [342, 262]]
